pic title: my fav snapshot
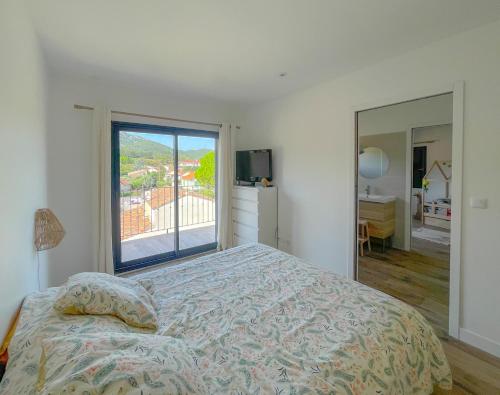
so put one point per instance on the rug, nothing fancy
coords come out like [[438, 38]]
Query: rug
[[436, 236]]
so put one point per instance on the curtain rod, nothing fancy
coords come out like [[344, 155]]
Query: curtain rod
[[80, 107]]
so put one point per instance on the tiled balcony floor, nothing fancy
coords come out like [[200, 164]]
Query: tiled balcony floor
[[162, 243]]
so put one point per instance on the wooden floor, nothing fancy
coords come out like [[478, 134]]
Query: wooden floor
[[423, 282], [427, 248]]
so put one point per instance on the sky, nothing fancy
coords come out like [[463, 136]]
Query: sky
[[185, 142]]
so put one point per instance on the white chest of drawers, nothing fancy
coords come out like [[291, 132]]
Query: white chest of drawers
[[255, 215]]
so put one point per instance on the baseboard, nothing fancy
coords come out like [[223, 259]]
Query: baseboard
[[481, 342]]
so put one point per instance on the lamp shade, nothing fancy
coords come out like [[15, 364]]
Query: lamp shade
[[48, 230]]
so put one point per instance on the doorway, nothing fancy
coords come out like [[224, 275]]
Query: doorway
[[431, 214], [398, 198], [164, 187]]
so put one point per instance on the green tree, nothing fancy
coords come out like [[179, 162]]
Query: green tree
[[126, 165], [125, 160], [205, 174], [161, 179], [137, 183], [146, 181]]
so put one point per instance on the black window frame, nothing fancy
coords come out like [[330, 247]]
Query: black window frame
[[419, 170], [176, 132]]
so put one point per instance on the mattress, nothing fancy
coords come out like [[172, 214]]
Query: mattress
[[256, 320]]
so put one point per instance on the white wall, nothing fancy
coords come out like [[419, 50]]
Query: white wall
[[311, 135], [71, 183], [440, 149], [22, 159], [436, 110]]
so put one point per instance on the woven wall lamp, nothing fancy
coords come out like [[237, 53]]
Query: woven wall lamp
[[48, 230]]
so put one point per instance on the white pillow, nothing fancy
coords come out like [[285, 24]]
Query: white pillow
[[104, 294]]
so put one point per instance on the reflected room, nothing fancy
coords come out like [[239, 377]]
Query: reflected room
[[404, 202]]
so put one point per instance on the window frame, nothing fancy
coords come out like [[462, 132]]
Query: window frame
[[176, 132], [415, 177]]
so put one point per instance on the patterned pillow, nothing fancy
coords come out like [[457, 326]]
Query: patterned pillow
[[104, 294], [118, 363]]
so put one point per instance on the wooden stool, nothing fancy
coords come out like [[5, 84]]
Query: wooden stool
[[363, 236]]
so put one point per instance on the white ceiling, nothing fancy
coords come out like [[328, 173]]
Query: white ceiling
[[235, 49]]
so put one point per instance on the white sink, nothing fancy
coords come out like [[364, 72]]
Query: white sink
[[376, 198]]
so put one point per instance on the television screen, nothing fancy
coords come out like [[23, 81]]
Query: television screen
[[252, 166]]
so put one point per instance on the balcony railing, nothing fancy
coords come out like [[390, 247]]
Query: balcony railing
[[153, 210]]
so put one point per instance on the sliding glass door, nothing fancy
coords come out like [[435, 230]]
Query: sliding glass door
[[196, 191], [163, 193]]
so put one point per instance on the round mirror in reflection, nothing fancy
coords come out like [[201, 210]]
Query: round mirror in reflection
[[373, 163]]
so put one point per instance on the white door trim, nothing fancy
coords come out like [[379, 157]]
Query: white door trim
[[408, 187], [457, 89], [456, 208]]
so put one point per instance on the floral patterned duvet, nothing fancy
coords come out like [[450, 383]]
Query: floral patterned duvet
[[250, 320]]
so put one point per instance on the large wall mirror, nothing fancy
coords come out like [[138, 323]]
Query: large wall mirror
[[373, 162]]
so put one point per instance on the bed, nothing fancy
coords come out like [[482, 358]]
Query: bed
[[253, 320]]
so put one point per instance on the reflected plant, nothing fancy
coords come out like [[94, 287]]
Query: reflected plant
[[425, 184]]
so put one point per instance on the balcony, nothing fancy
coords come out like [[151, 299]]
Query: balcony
[[147, 220]]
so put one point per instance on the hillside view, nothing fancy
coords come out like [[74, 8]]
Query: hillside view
[[150, 194], [137, 152], [139, 155], [134, 146]]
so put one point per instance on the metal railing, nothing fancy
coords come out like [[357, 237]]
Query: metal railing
[[149, 210]]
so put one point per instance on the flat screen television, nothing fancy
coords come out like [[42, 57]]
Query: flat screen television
[[252, 166]]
